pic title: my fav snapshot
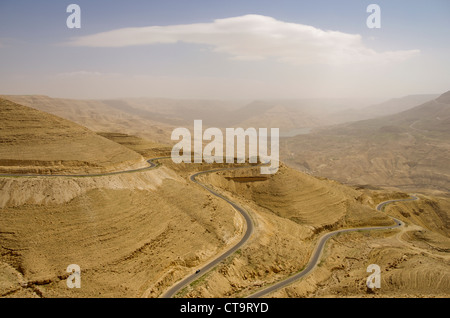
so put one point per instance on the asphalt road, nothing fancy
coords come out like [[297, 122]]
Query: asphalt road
[[150, 161], [319, 249], [249, 230], [249, 223], [383, 204]]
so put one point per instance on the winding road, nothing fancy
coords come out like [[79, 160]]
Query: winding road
[[150, 162], [381, 205], [206, 268], [248, 221], [314, 259]]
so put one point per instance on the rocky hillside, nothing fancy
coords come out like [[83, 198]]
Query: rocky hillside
[[33, 141]]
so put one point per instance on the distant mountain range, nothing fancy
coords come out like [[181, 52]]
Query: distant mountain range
[[409, 150], [154, 118], [401, 145]]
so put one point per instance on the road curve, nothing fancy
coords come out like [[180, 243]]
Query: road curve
[[381, 205], [249, 230], [320, 246], [150, 161], [249, 223]]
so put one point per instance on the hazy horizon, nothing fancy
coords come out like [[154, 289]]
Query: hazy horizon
[[233, 51]]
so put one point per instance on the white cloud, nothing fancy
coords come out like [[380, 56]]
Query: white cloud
[[253, 37]]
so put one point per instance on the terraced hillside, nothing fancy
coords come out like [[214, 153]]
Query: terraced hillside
[[291, 210], [32, 141]]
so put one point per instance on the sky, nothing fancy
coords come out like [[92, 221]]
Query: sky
[[225, 49]]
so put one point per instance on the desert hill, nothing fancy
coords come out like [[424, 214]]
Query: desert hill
[[155, 118], [291, 210], [389, 107], [430, 116], [408, 150], [132, 234], [414, 260], [97, 115], [278, 115], [32, 141], [136, 234], [145, 230]]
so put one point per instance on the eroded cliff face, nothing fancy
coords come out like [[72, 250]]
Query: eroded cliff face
[[57, 190]]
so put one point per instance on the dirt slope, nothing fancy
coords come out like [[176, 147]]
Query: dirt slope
[[98, 116], [414, 260], [290, 210], [132, 235], [32, 141]]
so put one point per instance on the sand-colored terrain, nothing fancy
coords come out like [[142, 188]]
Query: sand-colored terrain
[[32, 141], [408, 150], [414, 260], [130, 234], [144, 147], [98, 116], [136, 234], [155, 118], [285, 233]]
